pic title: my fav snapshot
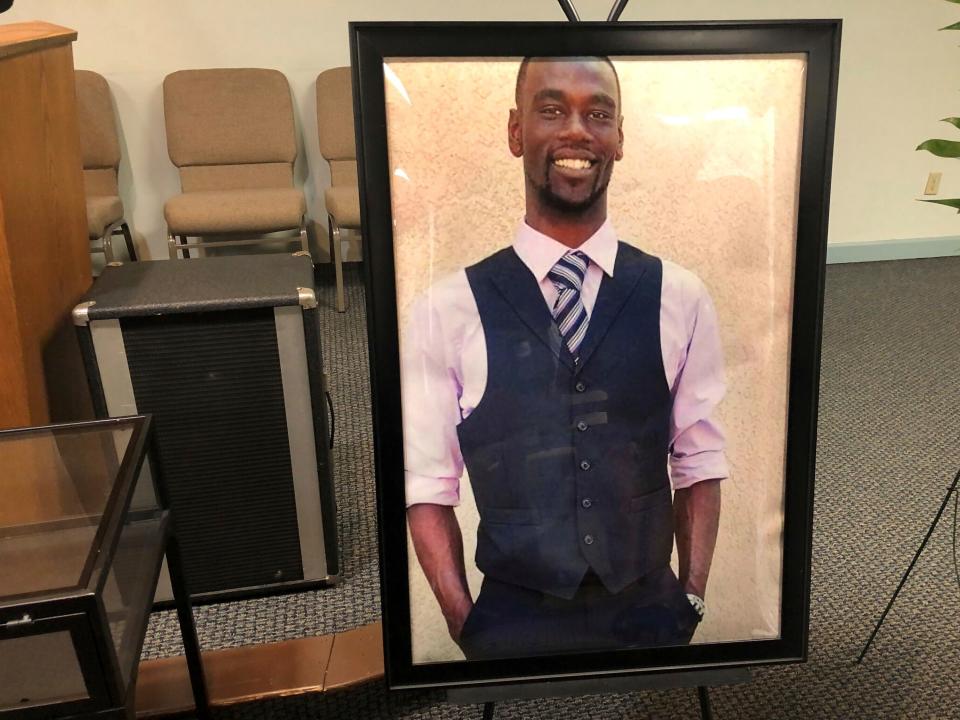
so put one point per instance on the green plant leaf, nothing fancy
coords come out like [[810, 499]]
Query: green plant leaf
[[953, 202], [955, 121], [955, 26], [941, 148]]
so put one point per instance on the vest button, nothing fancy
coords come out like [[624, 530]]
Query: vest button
[[584, 465], [580, 386], [588, 539], [586, 502], [581, 426]]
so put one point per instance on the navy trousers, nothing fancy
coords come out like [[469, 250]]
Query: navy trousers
[[512, 621]]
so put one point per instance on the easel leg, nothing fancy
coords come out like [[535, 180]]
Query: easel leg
[[903, 580], [488, 710], [704, 695]]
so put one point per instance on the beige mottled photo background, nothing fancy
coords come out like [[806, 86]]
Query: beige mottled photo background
[[708, 180]]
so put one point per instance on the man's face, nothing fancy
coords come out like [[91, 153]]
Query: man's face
[[568, 130]]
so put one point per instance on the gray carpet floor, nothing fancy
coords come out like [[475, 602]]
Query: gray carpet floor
[[888, 446]]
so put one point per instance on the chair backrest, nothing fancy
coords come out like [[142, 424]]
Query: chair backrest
[[229, 129], [99, 145], [335, 124]]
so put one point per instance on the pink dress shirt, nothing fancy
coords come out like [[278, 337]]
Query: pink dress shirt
[[444, 366]]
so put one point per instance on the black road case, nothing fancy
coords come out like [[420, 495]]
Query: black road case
[[225, 354]]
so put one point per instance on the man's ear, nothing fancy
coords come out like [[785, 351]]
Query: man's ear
[[515, 134], [619, 155]]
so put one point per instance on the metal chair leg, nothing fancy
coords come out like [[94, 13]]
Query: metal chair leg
[[106, 241], [179, 245], [304, 240], [336, 255], [176, 244], [107, 249], [128, 239], [172, 247]]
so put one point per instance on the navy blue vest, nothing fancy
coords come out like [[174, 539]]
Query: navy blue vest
[[568, 456]]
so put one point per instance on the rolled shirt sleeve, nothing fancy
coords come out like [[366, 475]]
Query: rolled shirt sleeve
[[430, 391], [697, 440]]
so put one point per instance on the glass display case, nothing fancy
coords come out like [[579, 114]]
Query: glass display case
[[83, 531]]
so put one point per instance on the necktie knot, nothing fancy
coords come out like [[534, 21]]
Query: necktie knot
[[569, 271]]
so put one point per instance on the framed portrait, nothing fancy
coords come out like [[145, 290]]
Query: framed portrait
[[595, 262]]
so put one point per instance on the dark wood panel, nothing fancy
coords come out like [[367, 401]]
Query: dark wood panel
[[44, 238], [14, 408], [20, 38]]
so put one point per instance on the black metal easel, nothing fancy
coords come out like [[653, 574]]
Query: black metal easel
[[903, 581], [703, 694], [488, 696]]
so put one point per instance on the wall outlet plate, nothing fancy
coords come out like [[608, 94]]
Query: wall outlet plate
[[933, 183]]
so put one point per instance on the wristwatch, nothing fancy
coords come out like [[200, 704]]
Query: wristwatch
[[699, 606]]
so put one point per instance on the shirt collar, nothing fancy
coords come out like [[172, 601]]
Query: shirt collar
[[541, 252]]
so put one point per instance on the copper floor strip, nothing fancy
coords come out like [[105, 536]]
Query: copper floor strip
[[254, 672], [356, 657]]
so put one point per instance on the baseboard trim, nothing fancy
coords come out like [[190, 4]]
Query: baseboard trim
[[313, 664], [915, 248]]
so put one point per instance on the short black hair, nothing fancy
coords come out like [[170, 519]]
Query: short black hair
[[522, 72]]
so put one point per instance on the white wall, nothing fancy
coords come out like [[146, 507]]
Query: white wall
[[898, 77]]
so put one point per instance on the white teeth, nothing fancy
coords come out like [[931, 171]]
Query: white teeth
[[572, 163]]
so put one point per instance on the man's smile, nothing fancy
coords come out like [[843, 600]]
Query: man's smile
[[573, 163], [574, 166]]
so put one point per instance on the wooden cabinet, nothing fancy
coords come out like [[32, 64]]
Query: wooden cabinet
[[44, 250]]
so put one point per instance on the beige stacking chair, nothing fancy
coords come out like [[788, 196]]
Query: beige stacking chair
[[338, 147], [100, 150], [231, 134]]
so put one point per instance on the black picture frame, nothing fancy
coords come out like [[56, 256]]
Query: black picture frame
[[371, 43]]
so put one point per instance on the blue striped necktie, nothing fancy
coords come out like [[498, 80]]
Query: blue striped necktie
[[568, 311]]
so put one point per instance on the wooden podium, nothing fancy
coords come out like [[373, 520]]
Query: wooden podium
[[44, 250]]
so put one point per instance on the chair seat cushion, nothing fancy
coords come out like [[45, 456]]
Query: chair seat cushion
[[102, 211], [343, 202], [234, 211]]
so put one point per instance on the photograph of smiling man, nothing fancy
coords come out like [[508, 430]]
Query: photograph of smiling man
[[574, 367], [580, 365]]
